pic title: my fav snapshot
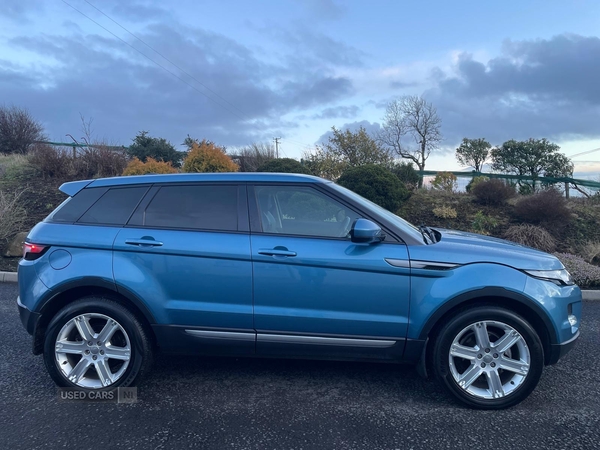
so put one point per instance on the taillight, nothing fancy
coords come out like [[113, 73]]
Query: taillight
[[33, 251]]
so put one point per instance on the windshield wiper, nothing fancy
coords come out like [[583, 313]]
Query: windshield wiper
[[427, 233]]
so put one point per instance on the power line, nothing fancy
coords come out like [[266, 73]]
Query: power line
[[584, 153], [158, 64], [161, 55]]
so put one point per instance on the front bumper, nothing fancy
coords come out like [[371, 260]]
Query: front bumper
[[29, 318], [557, 351]]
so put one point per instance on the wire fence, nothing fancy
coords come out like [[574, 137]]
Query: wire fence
[[569, 186]]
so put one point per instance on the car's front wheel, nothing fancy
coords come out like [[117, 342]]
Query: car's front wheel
[[488, 357], [96, 343]]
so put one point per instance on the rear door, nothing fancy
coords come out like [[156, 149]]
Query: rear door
[[186, 254]]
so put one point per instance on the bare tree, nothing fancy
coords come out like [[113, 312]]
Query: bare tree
[[411, 129], [18, 130], [251, 157]]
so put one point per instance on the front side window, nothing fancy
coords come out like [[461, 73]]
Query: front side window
[[208, 207], [302, 211]]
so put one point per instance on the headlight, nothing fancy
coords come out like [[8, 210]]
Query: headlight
[[561, 277]]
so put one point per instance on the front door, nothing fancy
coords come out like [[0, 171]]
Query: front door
[[315, 291]]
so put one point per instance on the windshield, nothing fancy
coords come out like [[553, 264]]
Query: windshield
[[404, 225]]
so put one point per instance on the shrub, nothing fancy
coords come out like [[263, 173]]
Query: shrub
[[376, 184], [208, 157], [407, 174], [445, 181], [12, 214], [532, 236], [584, 274], [483, 224], [99, 162], [547, 207], [52, 162], [284, 165], [492, 192], [159, 149], [475, 181], [590, 251], [137, 167], [444, 212]]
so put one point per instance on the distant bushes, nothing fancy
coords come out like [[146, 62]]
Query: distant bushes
[[547, 207], [531, 236], [284, 165], [93, 162], [444, 212], [12, 214], [492, 192], [137, 167], [445, 181], [205, 156], [377, 184], [407, 174], [584, 274]]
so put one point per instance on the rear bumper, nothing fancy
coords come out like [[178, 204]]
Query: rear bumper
[[557, 351], [29, 318]]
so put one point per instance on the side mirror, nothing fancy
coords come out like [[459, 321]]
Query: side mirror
[[366, 232]]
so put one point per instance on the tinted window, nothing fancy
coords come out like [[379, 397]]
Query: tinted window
[[74, 207], [302, 211], [194, 207], [114, 207]]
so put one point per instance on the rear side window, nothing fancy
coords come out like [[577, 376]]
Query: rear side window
[[114, 207], [207, 207]]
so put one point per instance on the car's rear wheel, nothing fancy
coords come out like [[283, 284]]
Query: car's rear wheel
[[488, 357], [96, 343]]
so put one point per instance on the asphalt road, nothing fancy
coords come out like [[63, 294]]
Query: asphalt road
[[261, 404]]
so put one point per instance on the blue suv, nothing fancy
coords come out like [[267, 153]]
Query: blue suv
[[288, 266]]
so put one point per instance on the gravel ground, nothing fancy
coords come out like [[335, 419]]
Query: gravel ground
[[260, 404]]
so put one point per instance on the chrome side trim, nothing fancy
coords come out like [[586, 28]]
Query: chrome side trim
[[21, 304], [433, 265], [317, 340], [404, 263], [229, 335]]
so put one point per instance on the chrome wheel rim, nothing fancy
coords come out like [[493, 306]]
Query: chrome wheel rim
[[489, 359], [92, 350]]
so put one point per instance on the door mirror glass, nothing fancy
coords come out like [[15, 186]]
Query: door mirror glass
[[366, 232]]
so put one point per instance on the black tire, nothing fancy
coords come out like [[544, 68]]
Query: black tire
[[141, 346], [470, 316]]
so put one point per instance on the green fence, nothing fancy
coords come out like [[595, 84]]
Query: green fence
[[570, 186]]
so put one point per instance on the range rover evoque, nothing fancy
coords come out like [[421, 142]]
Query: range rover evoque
[[287, 266]]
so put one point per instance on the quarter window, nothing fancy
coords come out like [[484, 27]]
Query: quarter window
[[115, 207], [207, 207]]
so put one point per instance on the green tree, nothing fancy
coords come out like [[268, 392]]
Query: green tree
[[377, 184], [159, 149], [18, 130], [473, 152], [534, 158], [356, 148], [323, 164], [284, 165], [411, 129]]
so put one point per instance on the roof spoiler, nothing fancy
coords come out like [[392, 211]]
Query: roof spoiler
[[73, 187]]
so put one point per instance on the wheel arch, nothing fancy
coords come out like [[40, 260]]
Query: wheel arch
[[69, 292], [518, 303]]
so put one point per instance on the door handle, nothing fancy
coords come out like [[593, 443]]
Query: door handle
[[275, 252], [144, 242]]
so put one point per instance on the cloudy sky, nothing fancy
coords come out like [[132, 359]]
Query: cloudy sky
[[237, 72]]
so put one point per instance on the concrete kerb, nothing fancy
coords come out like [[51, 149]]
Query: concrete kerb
[[11, 277]]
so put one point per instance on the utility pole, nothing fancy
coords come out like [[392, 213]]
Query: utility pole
[[276, 147]]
